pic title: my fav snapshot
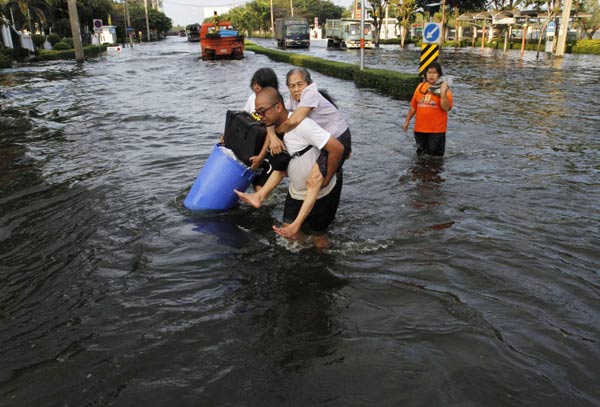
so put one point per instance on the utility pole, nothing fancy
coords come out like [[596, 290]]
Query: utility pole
[[127, 23], [564, 28], [75, 31], [272, 25], [292, 8], [362, 34], [147, 23]]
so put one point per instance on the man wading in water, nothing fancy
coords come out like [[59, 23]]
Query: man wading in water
[[307, 204]]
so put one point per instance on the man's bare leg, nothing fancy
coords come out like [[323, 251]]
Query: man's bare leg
[[313, 186], [256, 199]]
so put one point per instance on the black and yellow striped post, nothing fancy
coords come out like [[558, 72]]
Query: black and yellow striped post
[[429, 54]]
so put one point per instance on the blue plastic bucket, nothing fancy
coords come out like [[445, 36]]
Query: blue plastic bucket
[[213, 188]]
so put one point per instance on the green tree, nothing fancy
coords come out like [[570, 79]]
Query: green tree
[[377, 14], [28, 14], [405, 14], [244, 19], [589, 24], [256, 15], [157, 20]]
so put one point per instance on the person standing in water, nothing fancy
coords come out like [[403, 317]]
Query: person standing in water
[[309, 203], [431, 103]]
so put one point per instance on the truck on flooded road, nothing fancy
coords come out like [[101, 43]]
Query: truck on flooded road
[[221, 41], [344, 33], [292, 32]]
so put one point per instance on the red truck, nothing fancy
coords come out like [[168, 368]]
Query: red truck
[[224, 43]]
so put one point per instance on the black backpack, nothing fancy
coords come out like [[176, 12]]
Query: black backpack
[[244, 134]]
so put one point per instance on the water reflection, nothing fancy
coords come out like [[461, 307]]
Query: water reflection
[[223, 226]]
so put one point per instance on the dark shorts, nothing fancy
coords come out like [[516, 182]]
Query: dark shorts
[[346, 139], [430, 143], [262, 174], [322, 214]]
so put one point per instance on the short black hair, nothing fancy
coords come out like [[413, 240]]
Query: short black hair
[[265, 77], [436, 66]]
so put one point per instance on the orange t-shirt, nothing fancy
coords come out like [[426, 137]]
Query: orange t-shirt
[[430, 118]]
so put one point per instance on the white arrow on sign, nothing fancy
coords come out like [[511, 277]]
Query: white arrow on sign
[[430, 35]]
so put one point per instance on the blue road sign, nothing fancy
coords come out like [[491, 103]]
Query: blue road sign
[[97, 25], [432, 33]]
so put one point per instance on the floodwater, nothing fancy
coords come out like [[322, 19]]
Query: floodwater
[[468, 281]]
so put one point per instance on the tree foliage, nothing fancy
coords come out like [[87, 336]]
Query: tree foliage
[[589, 24], [377, 14], [45, 16], [256, 15], [406, 11]]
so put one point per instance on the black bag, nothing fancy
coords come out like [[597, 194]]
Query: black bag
[[244, 135]]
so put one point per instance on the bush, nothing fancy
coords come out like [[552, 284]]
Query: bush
[[61, 46], [5, 62], [586, 47], [53, 39], [20, 54], [68, 41], [91, 51], [395, 84], [38, 40], [7, 52]]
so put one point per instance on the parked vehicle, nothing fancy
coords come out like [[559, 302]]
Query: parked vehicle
[[222, 42], [193, 32], [292, 32], [344, 33]]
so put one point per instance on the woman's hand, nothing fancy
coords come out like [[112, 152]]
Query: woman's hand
[[276, 146], [444, 88], [255, 162]]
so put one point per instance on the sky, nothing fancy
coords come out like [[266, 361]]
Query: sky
[[184, 12]]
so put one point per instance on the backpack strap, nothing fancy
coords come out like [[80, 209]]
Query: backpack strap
[[301, 152]]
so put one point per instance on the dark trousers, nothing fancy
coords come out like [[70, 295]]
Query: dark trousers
[[430, 143]]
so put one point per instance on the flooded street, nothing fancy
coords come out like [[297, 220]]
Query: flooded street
[[470, 281]]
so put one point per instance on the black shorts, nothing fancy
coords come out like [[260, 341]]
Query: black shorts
[[262, 174], [346, 139], [430, 143], [322, 214]]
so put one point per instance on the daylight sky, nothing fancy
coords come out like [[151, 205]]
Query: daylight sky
[[184, 12]]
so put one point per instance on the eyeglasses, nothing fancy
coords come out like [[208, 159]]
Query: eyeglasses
[[299, 84], [261, 112]]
